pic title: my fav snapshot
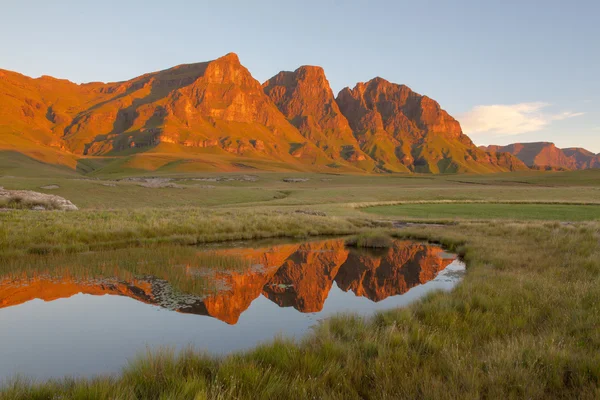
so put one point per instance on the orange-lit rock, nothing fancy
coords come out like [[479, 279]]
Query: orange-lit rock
[[405, 131], [306, 99], [218, 108]]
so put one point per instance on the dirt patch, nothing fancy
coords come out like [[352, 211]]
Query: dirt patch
[[155, 182], [239, 178], [50, 187], [311, 212], [295, 180], [402, 224]]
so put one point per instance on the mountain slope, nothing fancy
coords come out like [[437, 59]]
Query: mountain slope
[[405, 131], [214, 108]]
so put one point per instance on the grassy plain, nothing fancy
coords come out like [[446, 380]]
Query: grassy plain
[[560, 212], [522, 324]]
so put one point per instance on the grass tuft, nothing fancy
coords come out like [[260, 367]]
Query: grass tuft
[[370, 239]]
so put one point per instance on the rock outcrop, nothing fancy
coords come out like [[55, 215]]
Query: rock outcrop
[[27, 199]]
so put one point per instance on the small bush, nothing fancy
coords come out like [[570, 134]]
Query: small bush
[[375, 240]]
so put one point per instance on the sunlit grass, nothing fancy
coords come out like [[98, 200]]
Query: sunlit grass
[[23, 232], [518, 211], [522, 324]]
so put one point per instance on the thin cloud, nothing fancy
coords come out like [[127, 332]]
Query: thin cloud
[[510, 119]]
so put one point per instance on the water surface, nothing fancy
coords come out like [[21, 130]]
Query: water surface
[[58, 322]]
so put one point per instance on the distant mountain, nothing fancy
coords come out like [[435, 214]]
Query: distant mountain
[[405, 131], [583, 158], [545, 155], [215, 116]]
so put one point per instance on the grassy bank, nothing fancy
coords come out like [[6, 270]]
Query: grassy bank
[[169, 263], [25, 232], [523, 324]]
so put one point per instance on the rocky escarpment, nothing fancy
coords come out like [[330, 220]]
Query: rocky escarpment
[[306, 99], [583, 159]]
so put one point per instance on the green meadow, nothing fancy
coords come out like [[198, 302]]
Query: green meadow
[[519, 211], [522, 324]]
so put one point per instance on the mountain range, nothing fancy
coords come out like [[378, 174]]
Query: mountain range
[[215, 116], [546, 156]]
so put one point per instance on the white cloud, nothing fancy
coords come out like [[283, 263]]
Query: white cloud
[[510, 119]]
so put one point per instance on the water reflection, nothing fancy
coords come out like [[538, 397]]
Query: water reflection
[[298, 275], [94, 323]]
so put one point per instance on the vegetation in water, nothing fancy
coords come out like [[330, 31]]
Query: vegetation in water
[[521, 325], [174, 264], [370, 239]]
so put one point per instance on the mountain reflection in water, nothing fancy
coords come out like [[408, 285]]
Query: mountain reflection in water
[[292, 275]]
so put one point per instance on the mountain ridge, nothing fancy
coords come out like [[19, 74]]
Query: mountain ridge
[[215, 115], [546, 156]]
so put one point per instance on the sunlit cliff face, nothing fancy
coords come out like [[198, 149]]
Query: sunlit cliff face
[[296, 275], [217, 107]]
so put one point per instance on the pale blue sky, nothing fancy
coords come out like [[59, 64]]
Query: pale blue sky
[[536, 61]]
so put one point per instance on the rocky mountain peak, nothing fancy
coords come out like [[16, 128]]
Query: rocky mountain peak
[[307, 101], [217, 107]]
